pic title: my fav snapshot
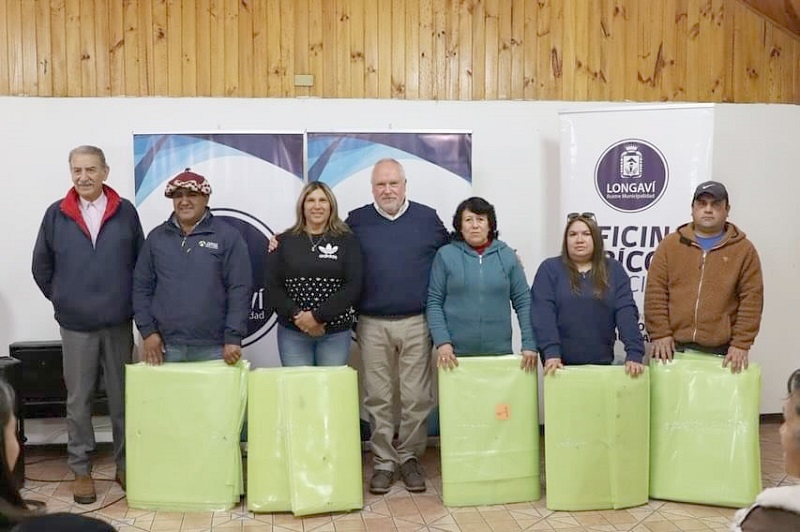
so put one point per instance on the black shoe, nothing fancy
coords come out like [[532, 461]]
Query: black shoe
[[411, 475], [381, 482]]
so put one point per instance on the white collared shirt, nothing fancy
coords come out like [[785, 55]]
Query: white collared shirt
[[400, 212], [92, 212]]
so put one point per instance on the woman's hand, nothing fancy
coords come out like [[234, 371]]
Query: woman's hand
[[634, 369], [305, 321], [528, 360], [447, 358], [551, 365]]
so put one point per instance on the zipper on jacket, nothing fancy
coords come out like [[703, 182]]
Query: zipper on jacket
[[699, 288]]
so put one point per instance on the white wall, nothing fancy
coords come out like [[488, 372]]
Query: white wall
[[515, 164]]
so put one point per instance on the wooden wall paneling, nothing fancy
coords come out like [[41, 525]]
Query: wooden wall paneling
[[411, 39], [44, 62], [491, 44], [724, 54], [217, 37], [28, 45], [343, 49], [370, 32], [202, 57], [648, 51], [697, 78], [160, 59], [711, 57], [596, 44], [300, 44], [244, 55], [356, 60], [13, 22], [287, 50], [619, 48], [466, 79], [329, 47], [398, 52], [441, 39], [58, 49], [504, 46], [102, 48], [676, 35], [384, 65], [426, 51], [531, 47], [5, 64], [174, 41], [189, 48], [316, 46], [478, 74], [749, 36], [780, 74], [549, 52], [275, 26], [146, 57], [517, 45], [452, 35], [576, 48], [116, 55], [231, 48], [72, 36], [87, 42]]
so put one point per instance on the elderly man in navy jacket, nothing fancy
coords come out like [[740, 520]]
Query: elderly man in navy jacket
[[83, 263], [192, 284]]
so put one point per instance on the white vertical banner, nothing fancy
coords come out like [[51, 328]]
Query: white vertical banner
[[636, 168]]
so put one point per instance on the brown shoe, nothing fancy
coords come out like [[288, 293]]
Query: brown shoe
[[83, 489], [381, 482], [412, 476], [120, 479]]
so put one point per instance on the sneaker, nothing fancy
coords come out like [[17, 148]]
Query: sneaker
[[119, 478], [381, 482], [411, 475], [83, 489]]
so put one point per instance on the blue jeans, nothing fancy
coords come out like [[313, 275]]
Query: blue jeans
[[192, 353], [299, 349]]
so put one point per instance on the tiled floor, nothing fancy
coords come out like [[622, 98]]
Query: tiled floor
[[398, 510]]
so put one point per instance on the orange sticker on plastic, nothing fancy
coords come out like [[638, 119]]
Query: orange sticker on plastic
[[502, 411]]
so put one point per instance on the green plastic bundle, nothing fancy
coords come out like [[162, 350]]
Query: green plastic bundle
[[182, 426], [596, 438], [704, 439], [489, 432], [304, 444]]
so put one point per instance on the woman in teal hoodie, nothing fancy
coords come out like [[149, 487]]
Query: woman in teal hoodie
[[472, 281]]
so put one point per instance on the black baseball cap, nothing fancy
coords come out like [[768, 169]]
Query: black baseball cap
[[714, 189]]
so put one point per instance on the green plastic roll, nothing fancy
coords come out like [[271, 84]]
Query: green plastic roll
[[304, 444], [704, 439], [182, 427], [596, 438], [489, 432]]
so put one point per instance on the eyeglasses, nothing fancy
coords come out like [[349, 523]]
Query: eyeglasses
[[589, 215]]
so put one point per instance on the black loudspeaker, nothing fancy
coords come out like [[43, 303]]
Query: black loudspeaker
[[40, 381], [9, 370]]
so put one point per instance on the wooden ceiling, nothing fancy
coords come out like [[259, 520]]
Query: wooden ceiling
[[785, 13]]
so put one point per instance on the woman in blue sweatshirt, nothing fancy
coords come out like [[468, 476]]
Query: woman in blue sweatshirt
[[580, 299], [472, 281]]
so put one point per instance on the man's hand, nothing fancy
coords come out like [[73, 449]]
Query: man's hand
[[305, 321], [447, 357], [273, 244], [528, 360], [551, 365], [737, 358], [634, 369], [231, 353], [154, 350], [663, 348]]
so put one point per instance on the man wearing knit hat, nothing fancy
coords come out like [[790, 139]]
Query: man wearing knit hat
[[704, 286], [192, 283]]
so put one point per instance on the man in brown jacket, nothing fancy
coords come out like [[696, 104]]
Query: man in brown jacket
[[704, 286]]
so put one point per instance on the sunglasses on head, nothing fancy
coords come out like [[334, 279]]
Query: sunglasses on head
[[589, 215]]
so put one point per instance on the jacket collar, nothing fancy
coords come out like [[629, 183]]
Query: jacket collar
[[71, 208]]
